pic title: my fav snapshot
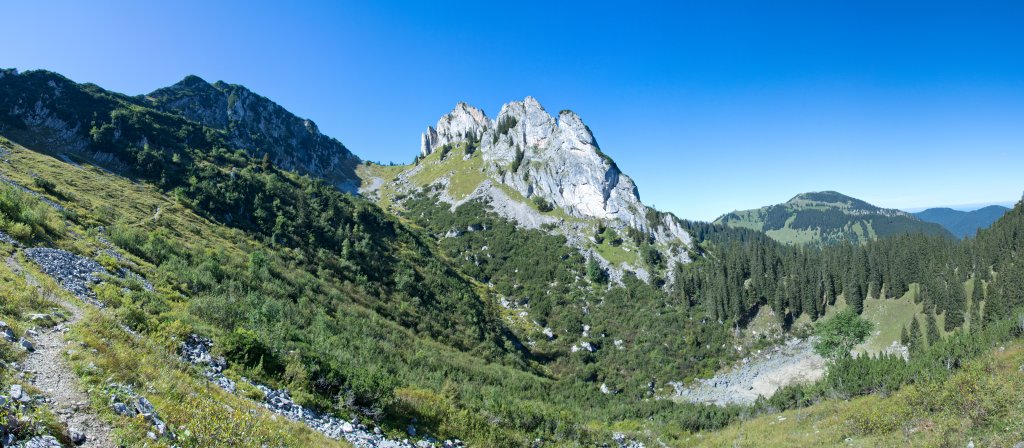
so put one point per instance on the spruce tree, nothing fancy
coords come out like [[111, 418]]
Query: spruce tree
[[854, 298], [904, 337], [932, 329], [955, 307], [977, 294], [595, 272], [915, 333]]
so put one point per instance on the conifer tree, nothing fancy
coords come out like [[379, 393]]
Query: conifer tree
[[932, 330], [595, 272], [854, 299], [955, 307], [977, 294], [915, 333], [971, 320]]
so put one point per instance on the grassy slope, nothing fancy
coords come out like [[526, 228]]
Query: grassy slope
[[98, 197], [203, 414], [981, 403], [862, 229], [464, 176], [888, 315]]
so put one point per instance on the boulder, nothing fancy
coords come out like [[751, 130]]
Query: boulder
[[77, 437]]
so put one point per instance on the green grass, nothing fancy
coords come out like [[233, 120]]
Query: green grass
[[889, 316], [617, 255], [202, 414], [432, 168], [794, 236]]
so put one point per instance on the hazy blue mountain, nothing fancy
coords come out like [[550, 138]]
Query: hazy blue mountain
[[960, 223]]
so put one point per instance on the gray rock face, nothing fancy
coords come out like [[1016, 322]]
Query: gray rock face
[[261, 126], [77, 437], [557, 159], [462, 123]]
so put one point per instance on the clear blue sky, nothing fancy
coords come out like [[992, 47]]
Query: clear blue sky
[[709, 106]]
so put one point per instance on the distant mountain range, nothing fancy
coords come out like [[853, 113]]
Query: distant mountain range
[[960, 223], [826, 217]]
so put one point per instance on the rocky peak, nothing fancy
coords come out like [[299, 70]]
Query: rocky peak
[[465, 122], [537, 154], [260, 126]]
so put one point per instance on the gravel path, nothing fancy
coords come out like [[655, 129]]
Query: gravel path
[[54, 377]]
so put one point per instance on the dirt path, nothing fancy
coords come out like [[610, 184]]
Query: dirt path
[[54, 377]]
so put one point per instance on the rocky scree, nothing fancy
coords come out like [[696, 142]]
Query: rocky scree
[[759, 375], [18, 424], [196, 350], [73, 272], [127, 403]]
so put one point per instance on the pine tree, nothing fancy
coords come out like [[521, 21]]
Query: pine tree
[[977, 294], [854, 299], [932, 329], [955, 307], [972, 321], [915, 333], [779, 300], [595, 272], [904, 337]]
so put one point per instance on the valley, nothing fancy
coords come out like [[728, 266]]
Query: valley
[[243, 279]]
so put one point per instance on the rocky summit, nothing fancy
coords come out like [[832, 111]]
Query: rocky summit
[[556, 158]]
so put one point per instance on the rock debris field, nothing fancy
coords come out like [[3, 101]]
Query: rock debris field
[[760, 375], [196, 350], [73, 272]]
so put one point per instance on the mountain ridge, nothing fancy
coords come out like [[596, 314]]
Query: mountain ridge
[[260, 127], [828, 217], [963, 224], [538, 170]]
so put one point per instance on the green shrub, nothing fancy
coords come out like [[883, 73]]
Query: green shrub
[[542, 204], [838, 335], [243, 347], [877, 415], [46, 185]]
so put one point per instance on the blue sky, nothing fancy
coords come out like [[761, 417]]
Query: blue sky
[[709, 106]]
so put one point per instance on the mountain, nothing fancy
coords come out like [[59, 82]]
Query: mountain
[[484, 301], [539, 171], [827, 217], [960, 223], [260, 126], [188, 286], [55, 113]]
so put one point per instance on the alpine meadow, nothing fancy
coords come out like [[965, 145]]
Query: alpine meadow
[[198, 266]]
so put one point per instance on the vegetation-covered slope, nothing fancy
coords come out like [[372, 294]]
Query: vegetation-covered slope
[[445, 311], [960, 223], [304, 287], [828, 217]]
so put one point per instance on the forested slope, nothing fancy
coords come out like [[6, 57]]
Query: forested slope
[[449, 314]]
